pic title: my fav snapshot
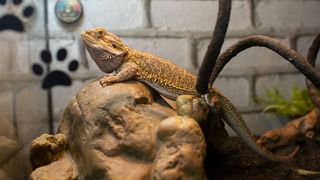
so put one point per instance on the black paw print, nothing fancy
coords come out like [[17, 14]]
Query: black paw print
[[55, 77], [13, 20]]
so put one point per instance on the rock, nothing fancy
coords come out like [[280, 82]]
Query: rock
[[8, 149], [117, 131], [192, 107], [181, 155], [3, 175], [121, 132], [62, 169], [305, 127], [50, 160], [46, 149]]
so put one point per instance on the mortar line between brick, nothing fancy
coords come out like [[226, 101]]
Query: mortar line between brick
[[253, 89], [14, 112], [293, 42], [252, 12], [192, 45], [147, 13]]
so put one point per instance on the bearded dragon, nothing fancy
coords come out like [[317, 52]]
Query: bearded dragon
[[122, 63]]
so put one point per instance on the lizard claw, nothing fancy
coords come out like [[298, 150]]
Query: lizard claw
[[104, 83], [107, 80]]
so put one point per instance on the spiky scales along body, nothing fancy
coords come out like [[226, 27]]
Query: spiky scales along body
[[157, 71]]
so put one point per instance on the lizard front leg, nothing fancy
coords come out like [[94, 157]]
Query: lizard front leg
[[124, 72]]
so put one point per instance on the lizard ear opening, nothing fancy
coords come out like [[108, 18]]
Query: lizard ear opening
[[125, 54], [114, 45]]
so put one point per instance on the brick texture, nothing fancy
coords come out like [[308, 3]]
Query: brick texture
[[6, 110], [236, 89], [31, 112], [61, 96], [110, 14], [282, 82], [14, 53], [195, 15], [288, 14]]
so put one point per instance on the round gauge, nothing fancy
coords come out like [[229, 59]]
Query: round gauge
[[68, 11]]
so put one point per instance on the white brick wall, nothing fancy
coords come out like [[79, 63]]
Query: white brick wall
[[178, 30], [110, 14], [288, 14], [195, 15], [61, 96], [14, 53], [237, 89], [6, 104], [31, 103], [282, 82]]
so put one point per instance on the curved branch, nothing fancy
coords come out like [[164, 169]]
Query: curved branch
[[214, 46], [258, 40], [311, 57]]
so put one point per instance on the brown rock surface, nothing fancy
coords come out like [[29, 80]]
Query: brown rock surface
[[8, 149], [122, 132], [181, 154], [46, 149], [192, 107], [62, 169], [13, 162]]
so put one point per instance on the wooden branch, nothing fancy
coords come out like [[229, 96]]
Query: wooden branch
[[311, 57], [258, 40], [307, 126], [214, 47]]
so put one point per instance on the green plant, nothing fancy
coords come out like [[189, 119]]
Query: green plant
[[297, 105]]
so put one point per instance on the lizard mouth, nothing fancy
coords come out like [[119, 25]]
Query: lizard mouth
[[92, 42], [87, 38]]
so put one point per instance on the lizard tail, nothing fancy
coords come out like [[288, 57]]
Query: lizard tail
[[235, 121]]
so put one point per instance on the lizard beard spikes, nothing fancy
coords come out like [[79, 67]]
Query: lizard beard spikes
[[109, 64], [106, 61]]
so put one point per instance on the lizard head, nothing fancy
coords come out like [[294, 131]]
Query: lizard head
[[105, 48]]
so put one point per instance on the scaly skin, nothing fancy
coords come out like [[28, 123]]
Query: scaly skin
[[170, 80]]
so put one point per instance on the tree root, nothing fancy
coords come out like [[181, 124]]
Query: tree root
[[214, 47], [307, 126], [311, 57], [288, 54]]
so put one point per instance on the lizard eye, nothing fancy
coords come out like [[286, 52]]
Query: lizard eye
[[99, 33]]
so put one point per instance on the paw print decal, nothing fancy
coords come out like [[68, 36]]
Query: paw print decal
[[55, 77], [14, 18]]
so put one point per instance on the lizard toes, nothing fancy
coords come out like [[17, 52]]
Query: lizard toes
[[104, 83]]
